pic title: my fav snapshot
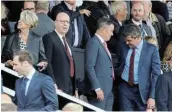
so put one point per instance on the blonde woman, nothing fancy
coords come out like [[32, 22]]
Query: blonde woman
[[25, 40], [163, 94]]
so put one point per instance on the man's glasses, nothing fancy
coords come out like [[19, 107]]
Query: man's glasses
[[63, 21], [29, 9]]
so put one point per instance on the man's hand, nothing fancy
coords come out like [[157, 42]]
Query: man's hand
[[42, 65], [85, 11], [9, 63], [100, 94], [151, 103]]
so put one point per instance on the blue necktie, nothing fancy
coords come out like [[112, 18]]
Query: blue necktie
[[142, 31], [23, 87]]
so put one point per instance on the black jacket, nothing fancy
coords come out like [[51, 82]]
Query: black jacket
[[163, 92], [34, 46]]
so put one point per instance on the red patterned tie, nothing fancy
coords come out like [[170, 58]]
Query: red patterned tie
[[131, 68], [70, 58], [107, 50]]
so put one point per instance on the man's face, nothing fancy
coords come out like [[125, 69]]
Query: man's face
[[137, 11], [62, 23], [123, 12], [18, 66], [147, 9], [29, 6], [71, 2], [108, 32], [132, 42]]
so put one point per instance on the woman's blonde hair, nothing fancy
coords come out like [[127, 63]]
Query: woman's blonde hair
[[29, 17], [151, 40], [4, 11], [168, 52]]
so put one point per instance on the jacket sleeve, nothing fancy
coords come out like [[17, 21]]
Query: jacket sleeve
[[42, 56], [48, 45], [156, 71], [6, 51], [49, 93], [91, 57]]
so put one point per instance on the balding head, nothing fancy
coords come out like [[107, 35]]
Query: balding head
[[62, 23], [137, 11]]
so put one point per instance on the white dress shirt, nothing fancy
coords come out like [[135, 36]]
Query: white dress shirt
[[29, 77], [61, 38]]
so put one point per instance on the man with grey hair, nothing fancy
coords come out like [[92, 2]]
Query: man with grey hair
[[140, 69], [99, 68], [119, 14], [45, 23]]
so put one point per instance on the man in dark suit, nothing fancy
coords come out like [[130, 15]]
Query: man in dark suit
[[60, 59], [99, 66], [78, 33], [34, 91], [45, 23], [140, 68], [119, 14], [163, 92]]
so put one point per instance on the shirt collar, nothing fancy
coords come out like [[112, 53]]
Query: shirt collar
[[100, 38], [30, 75], [136, 23], [139, 46], [70, 7], [58, 34]]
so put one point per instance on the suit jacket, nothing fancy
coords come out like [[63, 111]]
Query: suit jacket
[[83, 33], [163, 92], [98, 66], [58, 62], [149, 69], [45, 25], [34, 46], [41, 94]]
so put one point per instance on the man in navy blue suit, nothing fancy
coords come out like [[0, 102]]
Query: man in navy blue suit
[[140, 70], [34, 91]]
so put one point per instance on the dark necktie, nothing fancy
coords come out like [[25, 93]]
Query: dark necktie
[[142, 31], [131, 68], [23, 87], [70, 58], [107, 50]]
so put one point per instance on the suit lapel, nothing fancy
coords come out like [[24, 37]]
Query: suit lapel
[[20, 98], [31, 86], [103, 48], [60, 43], [142, 55]]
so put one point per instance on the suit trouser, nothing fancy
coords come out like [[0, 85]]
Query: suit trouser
[[106, 104], [130, 99]]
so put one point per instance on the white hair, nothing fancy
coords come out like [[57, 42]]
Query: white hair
[[115, 6]]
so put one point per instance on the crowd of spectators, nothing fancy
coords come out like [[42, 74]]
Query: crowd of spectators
[[126, 50]]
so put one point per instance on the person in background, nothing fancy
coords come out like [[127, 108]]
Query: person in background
[[25, 40], [163, 91], [45, 23], [34, 91]]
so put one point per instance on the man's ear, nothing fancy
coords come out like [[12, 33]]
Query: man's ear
[[25, 63]]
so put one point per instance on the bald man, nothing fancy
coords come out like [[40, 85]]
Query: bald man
[[59, 55]]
